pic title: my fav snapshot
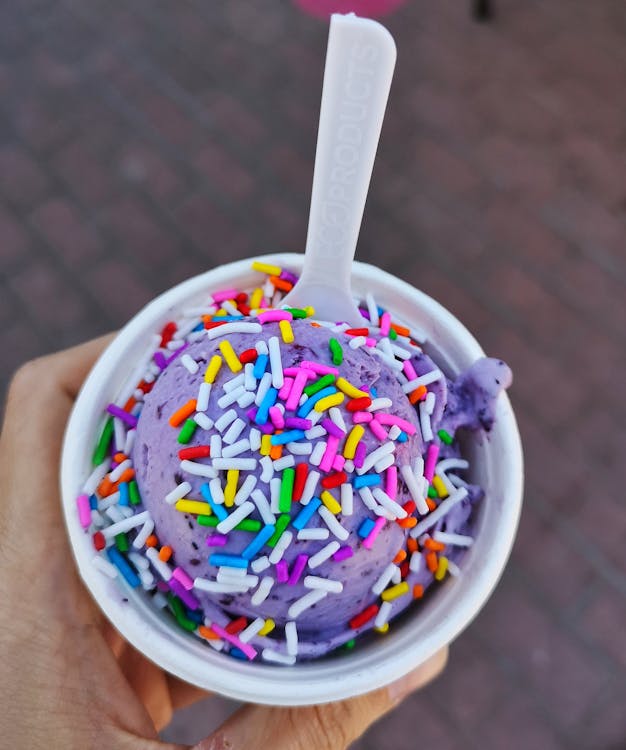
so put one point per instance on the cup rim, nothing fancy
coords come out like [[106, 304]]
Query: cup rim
[[319, 681]]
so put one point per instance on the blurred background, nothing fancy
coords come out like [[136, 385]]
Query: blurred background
[[143, 142]]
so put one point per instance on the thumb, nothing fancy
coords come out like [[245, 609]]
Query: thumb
[[328, 727]]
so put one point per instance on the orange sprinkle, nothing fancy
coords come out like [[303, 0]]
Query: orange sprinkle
[[418, 394], [400, 330], [207, 633], [431, 561], [407, 523], [106, 487], [165, 553], [282, 284], [126, 476], [400, 557], [130, 403], [315, 325], [411, 544], [434, 546], [431, 503], [152, 541], [185, 411], [119, 457], [418, 591], [276, 451]]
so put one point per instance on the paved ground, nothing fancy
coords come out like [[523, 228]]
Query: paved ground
[[144, 142]]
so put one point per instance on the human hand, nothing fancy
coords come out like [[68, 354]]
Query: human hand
[[69, 679]]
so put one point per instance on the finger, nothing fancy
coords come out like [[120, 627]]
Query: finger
[[329, 727], [182, 694]]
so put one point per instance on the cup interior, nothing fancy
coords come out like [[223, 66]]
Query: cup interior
[[497, 466]]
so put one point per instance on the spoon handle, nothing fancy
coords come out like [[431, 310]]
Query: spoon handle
[[360, 60]]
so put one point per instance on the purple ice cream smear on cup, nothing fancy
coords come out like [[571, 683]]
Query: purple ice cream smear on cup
[[283, 485]]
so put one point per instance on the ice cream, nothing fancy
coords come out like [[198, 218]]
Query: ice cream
[[340, 534]]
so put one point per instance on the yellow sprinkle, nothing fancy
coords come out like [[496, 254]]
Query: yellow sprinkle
[[266, 445], [330, 502], [356, 433], [394, 592], [232, 360], [350, 390], [286, 331], [213, 368], [310, 311], [230, 489], [382, 629], [268, 627], [221, 312], [439, 486], [269, 268], [194, 506], [329, 401], [441, 568], [256, 297]]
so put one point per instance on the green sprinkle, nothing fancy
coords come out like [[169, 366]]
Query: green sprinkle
[[349, 644], [297, 312], [207, 520], [286, 490], [319, 384], [281, 525], [432, 492], [121, 542], [446, 437], [102, 448], [393, 334], [336, 351], [179, 613], [133, 491], [248, 524], [187, 430]]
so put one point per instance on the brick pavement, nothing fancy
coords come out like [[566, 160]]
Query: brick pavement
[[141, 143]]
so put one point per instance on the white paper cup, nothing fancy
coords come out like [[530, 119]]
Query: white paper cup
[[496, 465]]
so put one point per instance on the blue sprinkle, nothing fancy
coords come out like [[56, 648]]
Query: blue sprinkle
[[365, 528], [305, 515], [380, 309], [230, 561], [260, 366], [269, 400], [124, 494], [219, 510], [374, 392], [194, 616], [237, 653], [259, 540], [287, 437], [122, 564], [308, 405], [366, 480], [93, 502], [226, 318], [402, 437], [199, 327]]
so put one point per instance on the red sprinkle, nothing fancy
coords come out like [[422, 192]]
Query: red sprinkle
[[236, 626], [365, 616], [359, 404], [248, 355], [146, 387], [169, 329], [409, 506], [99, 542], [299, 481], [357, 331], [404, 569], [243, 308], [334, 480], [214, 323], [198, 451], [241, 297]]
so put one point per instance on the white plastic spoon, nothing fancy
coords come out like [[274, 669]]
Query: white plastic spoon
[[360, 60]]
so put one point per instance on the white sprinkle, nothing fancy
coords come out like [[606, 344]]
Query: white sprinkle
[[385, 346], [275, 494], [197, 469], [456, 540], [230, 308], [391, 362], [348, 467], [427, 432], [178, 493], [242, 464], [284, 463], [120, 469], [104, 566], [397, 576], [394, 432], [300, 449], [376, 455], [236, 449], [190, 364], [347, 499], [429, 402], [233, 432], [306, 601], [333, 524], [260, 563], [337, 417], [255, 439], [216, 446], [269, 654], [225, 420], [147, 529], [372, 309], [383, 580], [325, 584], [261, 347], [310, 486], [457, 481], [204, 422], [119, 432], [202, 402], [162, 568], [380, 403], [107, 502], [315, 431], [217, 587], [228, 524], [417, 562], [147, 579], [451, 463], [247, 634], [246, 399], [244, 492], [139, 561], [427, 379], [438, 513], [130, 441], [268, 469], [264, 385], [323, 555], [249, 381], [317, 453], [97, 519], [368, 499], [313, 534], [159, 600], [314, 417], [418, 466], [291, 636], [453, 569], [217, 493], [280, 547], [356, 342], [447, 482], [384, 463], [262, 592], [276, 364], [383, 615], [96, 476], [415, 487], [229, 398], [234, 384], [227, 572], [246, 580], [233, 327]]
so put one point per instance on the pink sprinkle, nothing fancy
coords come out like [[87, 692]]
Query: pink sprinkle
[[187, 598], [293, 371], [385, 324], [343, 553], [296, 390], [224, 295], [379, 431], [329, 454], [216, 540], [318, 368], [84, 511], [431, 461], [370, 341], [339, 462], [384, 418], [360, 417], [297, 423], [181, 576], [409, 370], [283, 393], [247, 649], [331, 428], [277, 418], [282, 572], [273, 316], [297, 569], [359, 454], [391, 481], [371, 537]]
